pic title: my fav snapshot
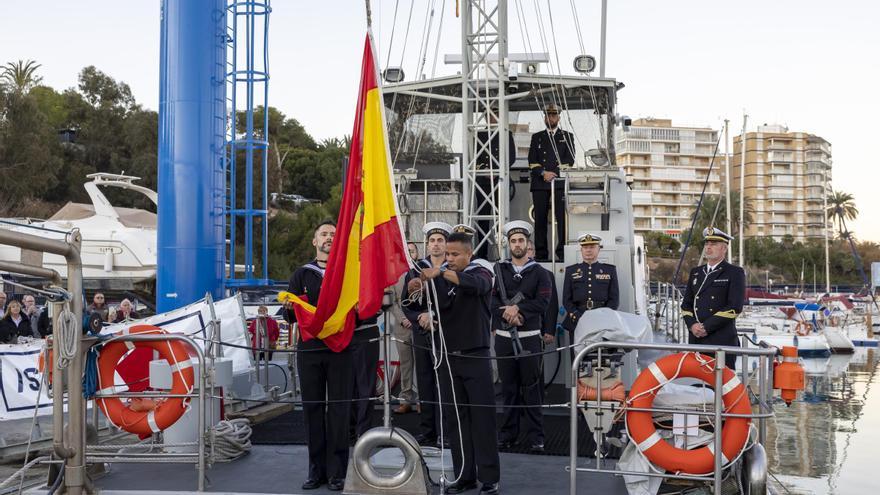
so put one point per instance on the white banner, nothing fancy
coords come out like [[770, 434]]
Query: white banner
[[20, 381], [193, 321], [20, 376]]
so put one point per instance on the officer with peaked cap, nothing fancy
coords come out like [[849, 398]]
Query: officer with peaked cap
[[519, 302], [549, 150], [590, 284], [714, 296], [436, 234]]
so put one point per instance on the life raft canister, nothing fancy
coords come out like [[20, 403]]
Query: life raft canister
[[133, 417], [640, 424]]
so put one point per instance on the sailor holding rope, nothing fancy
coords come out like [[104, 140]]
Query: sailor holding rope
[[463, 292]]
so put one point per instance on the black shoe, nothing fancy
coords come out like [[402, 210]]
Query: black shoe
[[445, 444], [505, 444], [490, 488], [313, 483], [536, 448], [461, 487], [336, 484], [425, 439]]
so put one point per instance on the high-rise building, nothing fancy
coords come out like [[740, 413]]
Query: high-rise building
[[787, 176], [669, 166]]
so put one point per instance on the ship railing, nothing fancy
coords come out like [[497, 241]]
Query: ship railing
[[157, 452], [597, 355], [667, 312]]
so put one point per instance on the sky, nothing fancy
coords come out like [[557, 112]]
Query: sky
[[808, 64]]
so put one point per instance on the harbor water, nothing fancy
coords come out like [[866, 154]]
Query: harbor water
[[825, 442]]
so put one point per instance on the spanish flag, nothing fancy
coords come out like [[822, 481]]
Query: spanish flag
[[368, 251]]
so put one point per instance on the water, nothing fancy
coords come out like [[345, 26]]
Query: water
[[826, 442]]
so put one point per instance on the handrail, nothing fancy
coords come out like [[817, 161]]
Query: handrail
[[200, 355], [719, 352]]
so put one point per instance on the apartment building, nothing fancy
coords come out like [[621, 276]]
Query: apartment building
[[787, 176], [669, 166]]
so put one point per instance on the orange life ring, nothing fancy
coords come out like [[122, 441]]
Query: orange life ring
[[137, 417], [640, 424], [45, 363]]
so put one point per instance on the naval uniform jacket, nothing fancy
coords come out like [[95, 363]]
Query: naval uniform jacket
[[306, 281], [413, 309], [714, 298], [546, 153], [464, 309], [534, 284], [588, 286]]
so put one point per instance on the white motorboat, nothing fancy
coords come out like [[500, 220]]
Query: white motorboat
[[118, 244], [807, 345]]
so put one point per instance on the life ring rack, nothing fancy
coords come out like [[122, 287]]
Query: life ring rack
[[137, 417], [640, 424]]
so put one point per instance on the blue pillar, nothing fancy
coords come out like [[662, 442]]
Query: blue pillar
[[192, 126]]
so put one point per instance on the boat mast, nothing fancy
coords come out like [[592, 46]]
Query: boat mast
[[742, 194], [729, 214], [484, 110], [825, 228]]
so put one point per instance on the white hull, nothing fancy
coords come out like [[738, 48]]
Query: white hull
[[807, 345]]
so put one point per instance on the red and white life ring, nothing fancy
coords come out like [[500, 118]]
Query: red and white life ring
[[640, 424], [139, 416]]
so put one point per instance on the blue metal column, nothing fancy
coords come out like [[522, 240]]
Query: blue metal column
[[192, 126]]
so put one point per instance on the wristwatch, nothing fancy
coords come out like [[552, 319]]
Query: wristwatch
[[443, 268]]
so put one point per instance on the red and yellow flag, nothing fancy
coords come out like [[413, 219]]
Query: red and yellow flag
[[368, 252]]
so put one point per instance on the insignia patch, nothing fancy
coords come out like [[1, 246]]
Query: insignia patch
[[721, 280], [577, 274], [603, 276]]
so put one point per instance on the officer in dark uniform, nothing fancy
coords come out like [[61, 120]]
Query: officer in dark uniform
[[486, 150], [550, 149], [435, 248], [714, 296], [589, 284], [324, 375], [519, 303], [464, 292]]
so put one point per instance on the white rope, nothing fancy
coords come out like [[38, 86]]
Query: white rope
[[66, 336], [231, 439]]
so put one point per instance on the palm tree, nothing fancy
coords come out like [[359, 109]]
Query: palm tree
[[707, 216], [841, 207], [20, 76]]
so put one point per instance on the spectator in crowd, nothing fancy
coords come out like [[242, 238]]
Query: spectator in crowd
[[38, 317], [14, 324], [2, 302], [125, 312], [99, 305], [267, 340]]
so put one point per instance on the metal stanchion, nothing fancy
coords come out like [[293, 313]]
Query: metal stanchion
[[386, 338], [719, 409]]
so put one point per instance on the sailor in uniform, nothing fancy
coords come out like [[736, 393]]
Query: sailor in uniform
[[435, 249], [714, 296], [549, 150], [588, 285], [519, 303], [324, 375], [464, 293]]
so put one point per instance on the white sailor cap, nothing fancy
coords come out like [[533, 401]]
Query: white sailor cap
[[714, 234], [517, 227], [589, 239], [432, 228], [463, 229]]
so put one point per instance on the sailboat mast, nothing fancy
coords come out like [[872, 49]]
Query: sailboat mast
[[727, 183], [742, 193], [825, 228]]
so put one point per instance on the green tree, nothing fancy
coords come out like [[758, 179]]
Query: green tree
[[19, 77], [29, 152], [841, 207], [662, 245], [285, 135]]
